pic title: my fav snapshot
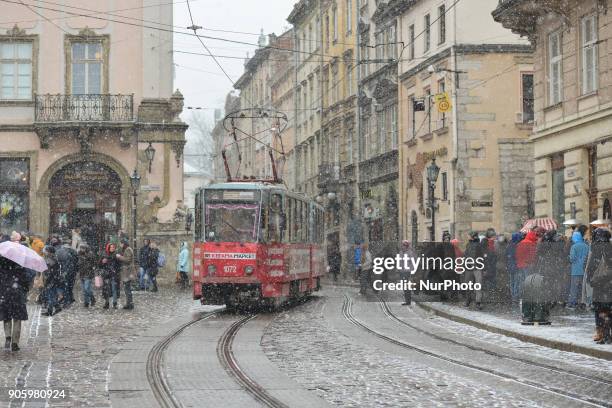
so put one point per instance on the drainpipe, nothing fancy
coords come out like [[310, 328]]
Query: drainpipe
[[295, 109], [455, 116], [357, 206]]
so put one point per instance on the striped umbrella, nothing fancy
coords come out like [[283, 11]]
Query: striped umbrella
[[547, 224]]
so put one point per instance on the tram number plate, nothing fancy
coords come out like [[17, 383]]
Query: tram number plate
[[229, 268]]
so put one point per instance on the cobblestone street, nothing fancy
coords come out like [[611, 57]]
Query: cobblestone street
[[73, 349], [348, 372]]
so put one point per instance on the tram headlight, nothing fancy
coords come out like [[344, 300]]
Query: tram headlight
[[211, 270], [249, 270]]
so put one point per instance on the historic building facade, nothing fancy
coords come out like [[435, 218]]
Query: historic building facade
[[378, 121], [258, 131], [83, 104], [337, 153], [573, 103], [466, 101], [306, 20]]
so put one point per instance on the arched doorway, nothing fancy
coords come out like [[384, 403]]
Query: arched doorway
[[86, 195]]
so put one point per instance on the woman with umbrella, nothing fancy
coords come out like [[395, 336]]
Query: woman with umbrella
[[14, 258]]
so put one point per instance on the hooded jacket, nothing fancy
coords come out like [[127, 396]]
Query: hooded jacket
[[526, 251], [578, 254], [183, 258]]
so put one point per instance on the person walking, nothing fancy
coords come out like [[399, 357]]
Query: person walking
[[551, 265], [490, 247], [13, 296], [143, 271], [577, 257], [474, 250], [153, 264], [53, 281], [183, 265], [67, 258], [512, 267], [526, 252], [110, 275], [76, 239], [86, 266], [365, 267], [599, 276], [126, 260]]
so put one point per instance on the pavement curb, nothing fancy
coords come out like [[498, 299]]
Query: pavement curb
[[559, 345]]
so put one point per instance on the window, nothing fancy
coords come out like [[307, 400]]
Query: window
[[335, 17], [349, 145], [554, 68], [349, 16], [427, 33], [428, 108], [365, 130], [15, 70], [527, 97], [382, 131], [411, 45], [391, 46], [86, 66], [310, 44], [589, 54], [394, 127], [14, 194], [444, 186], [349, 80], [380, 40], [442, 23], [317, 33], [335, 84], [326, 31]]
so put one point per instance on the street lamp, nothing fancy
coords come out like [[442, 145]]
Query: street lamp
[[135, 182], [150, 153], [432, 176]]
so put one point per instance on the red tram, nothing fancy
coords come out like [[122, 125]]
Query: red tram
[[256, 243]]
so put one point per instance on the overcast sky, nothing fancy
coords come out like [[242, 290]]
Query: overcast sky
[[198, 77]]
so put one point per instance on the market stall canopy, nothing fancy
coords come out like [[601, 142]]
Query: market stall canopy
[[570, 223], [600, 223], [547, 224]]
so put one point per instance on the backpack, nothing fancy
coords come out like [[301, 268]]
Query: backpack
[[161, 260]]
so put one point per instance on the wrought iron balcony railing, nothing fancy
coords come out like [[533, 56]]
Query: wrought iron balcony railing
[[84, 108]]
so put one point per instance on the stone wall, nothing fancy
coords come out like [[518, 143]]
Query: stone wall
[[516, 173]]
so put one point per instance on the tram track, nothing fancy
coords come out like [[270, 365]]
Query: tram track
[[387, 311], [348, 315], [228, 360], [155, 373]]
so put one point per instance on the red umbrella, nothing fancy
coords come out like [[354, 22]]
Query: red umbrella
[[23, 256], [547, 224]]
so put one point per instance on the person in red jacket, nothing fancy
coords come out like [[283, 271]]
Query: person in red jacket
[[526, 252]]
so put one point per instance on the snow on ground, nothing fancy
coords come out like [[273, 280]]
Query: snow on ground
[[574, 329]]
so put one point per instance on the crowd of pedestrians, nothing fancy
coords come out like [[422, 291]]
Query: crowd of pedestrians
[[69, 260], [542, 269]]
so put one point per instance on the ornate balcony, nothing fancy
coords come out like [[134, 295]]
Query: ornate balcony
[[83, 117], [329, 176], [83, 108]]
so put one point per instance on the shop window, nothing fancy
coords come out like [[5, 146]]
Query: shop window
[[14, 194]]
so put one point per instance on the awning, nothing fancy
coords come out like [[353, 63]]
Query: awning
[[547, 224]]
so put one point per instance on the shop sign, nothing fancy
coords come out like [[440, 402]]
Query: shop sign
[[427, 156], [151, 188], [479, 203]]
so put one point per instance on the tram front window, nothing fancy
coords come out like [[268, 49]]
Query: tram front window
[[232, 222]]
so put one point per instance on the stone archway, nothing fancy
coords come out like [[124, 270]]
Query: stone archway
[[43, 202]]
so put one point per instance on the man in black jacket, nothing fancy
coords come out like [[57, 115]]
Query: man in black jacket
[[143, 261], [67, 259]]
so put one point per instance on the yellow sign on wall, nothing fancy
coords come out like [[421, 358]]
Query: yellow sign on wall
[[442, 101]]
